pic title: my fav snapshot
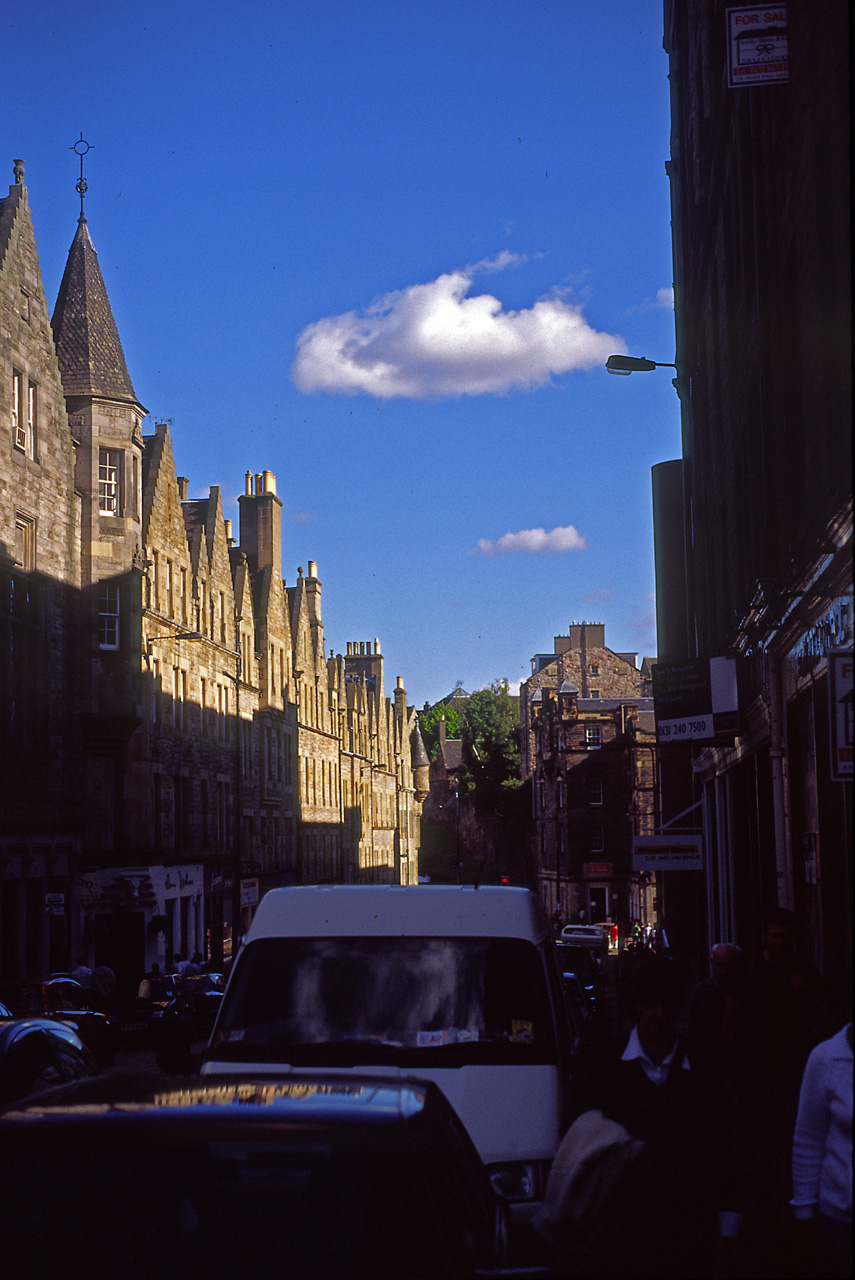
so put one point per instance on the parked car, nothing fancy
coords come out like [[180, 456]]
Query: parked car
[[66, 1000], [583, 964], [587, 935], [189, 1017], [205, 993], [317, 1176], [451, 983], [37, 1054], [155, 994]]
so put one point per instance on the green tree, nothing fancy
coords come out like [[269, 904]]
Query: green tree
[[429, 725], [491, 745]]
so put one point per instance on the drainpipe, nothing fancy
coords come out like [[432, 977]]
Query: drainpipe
[[777, 755]]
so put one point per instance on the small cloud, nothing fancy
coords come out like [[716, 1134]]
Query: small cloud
[[534, 541], [501, 262], [605, 593], [663, 301], [433, 340], [298, 517]]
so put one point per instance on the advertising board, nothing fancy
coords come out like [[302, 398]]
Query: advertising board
[[667, 853], [695, 700]]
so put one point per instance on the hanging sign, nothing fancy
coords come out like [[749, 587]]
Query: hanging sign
[[667, 853], [695, 700]]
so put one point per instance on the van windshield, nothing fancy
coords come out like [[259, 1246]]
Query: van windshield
[[404, 1001]]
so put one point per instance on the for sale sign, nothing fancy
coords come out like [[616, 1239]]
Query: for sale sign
[[840, 707], [757, 45], [695, 700]]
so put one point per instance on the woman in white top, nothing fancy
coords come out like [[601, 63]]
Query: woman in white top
[[822, 1158]]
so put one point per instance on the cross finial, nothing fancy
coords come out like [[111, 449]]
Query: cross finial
[[80, 148]]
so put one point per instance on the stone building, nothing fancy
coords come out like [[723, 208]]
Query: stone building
[[588, 743], [176, 740]]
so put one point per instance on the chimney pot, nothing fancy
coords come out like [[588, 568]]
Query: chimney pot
[[313, 568], [247, 483], [269, 482]]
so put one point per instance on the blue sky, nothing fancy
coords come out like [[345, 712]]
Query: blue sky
[[383, 252]]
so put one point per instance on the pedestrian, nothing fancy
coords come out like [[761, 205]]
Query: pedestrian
[[662, 1216], [103, 988], [822, 1159], [715, 1039], [784, 1015], [82, 974]]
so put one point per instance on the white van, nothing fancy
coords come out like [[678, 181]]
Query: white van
[[454, 984]]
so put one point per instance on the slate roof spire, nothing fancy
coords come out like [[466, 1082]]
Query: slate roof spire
[[90, 354]]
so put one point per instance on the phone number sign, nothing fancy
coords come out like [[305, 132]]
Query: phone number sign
[[695, 700]]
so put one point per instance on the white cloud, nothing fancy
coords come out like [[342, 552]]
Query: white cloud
[[604, 593], [665, 298], [534, 541], [433, 340]]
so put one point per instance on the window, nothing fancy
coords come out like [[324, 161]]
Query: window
[[595, 791], [108, 615], [593, 669], [595, 693], [24, 413], [597, 841], [593, 735], [32, 404], [25, 541], [109, 479], [25, 306]]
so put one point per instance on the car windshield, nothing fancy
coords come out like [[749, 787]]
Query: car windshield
[[409, 1001]]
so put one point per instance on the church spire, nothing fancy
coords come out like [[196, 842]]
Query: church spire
[[90, 354]]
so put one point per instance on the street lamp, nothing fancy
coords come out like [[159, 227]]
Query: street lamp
[[625, 365]]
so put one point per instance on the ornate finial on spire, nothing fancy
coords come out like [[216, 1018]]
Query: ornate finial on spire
[[19, 172], [80, 148]]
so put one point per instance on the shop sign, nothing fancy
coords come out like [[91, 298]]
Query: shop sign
[[87, 889], [840, 708], [597, 870], [757, 50], [248, 892], [667, 853], [830, 631], [695, 700], [54, 904]]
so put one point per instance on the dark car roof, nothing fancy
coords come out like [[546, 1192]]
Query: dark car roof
[[332, 1178], [311, 1098]]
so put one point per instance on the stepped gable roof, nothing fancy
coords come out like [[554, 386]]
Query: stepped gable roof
[[90, 354]]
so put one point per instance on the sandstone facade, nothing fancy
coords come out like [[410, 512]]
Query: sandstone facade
[[179, 740]]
